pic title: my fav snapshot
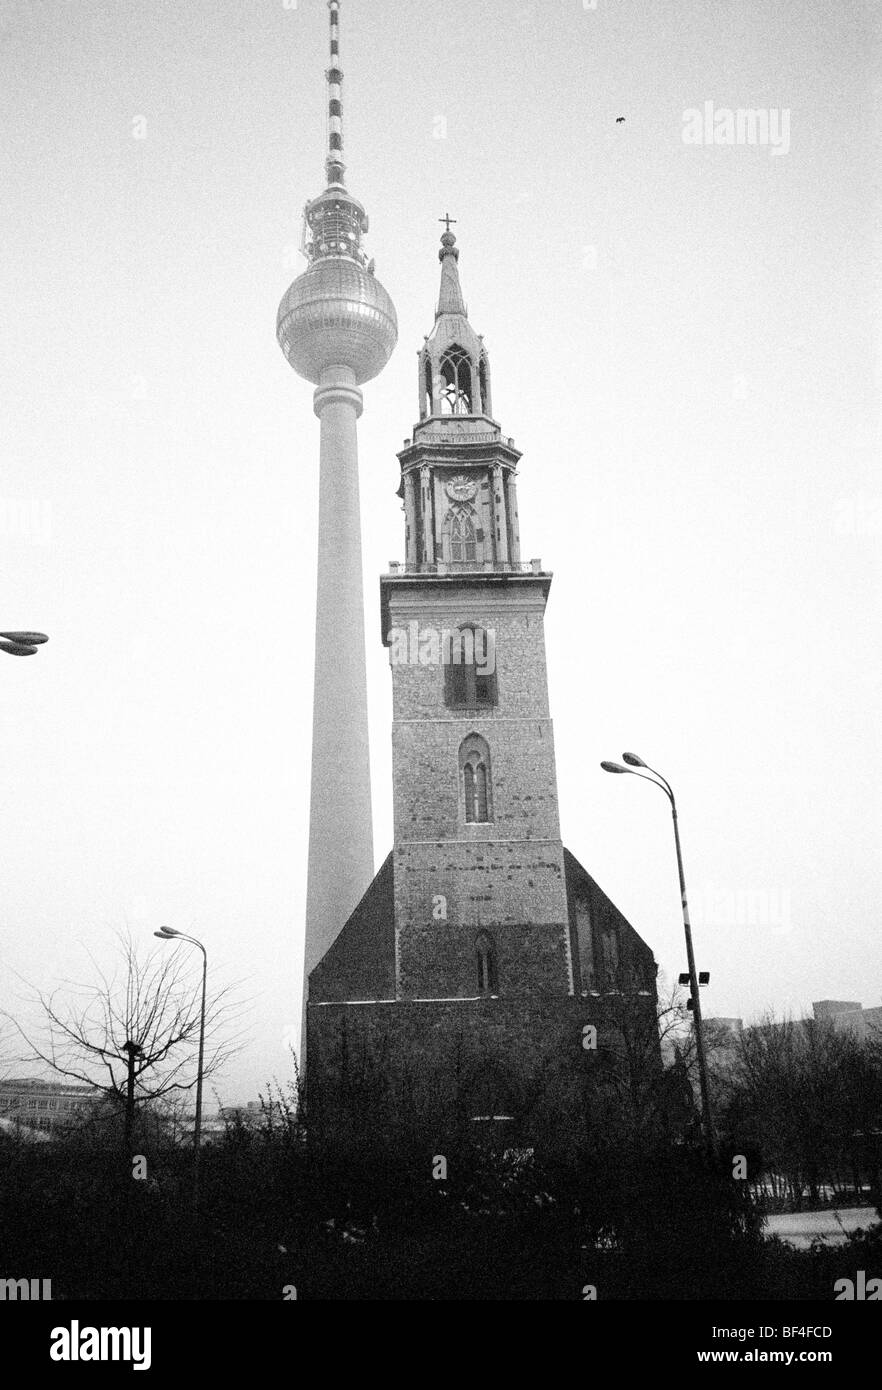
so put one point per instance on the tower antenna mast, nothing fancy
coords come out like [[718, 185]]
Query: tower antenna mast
[[334, 165]]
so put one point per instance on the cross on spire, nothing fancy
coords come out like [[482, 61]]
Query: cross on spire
[[447, 219]]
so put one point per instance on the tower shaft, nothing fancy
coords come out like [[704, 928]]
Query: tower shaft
[[341, 858]]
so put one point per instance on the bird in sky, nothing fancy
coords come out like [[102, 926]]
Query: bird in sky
[[619, 120]]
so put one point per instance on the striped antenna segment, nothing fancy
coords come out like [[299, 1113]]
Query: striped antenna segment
[[334, 161]]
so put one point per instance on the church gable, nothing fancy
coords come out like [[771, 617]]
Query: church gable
[[608, 954], [360, 964]]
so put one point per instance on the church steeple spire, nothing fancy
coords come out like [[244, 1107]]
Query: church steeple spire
[[450, 300], [458, 472], [454, 367]]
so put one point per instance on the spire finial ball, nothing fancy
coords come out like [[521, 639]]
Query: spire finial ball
[[448, 247]]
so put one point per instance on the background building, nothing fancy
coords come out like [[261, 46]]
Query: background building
[[724, 1034], [866, 1024], [43, 1107]]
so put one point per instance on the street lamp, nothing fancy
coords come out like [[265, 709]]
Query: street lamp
[[133, 1051], [169, 934], [634, 764], [22, 643]]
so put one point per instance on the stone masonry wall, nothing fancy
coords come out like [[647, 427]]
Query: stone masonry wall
[[429, 1061], [453, 878]]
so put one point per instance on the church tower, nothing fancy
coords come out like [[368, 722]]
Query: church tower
[[337, 327], [477, 835], [483, 959]]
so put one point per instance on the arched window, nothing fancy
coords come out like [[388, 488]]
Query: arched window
[[477, 791], [609, 942], [427, 382], [469, 657], [483, 386], [585, 943], [462, 537], [485, 953], [456, 382]]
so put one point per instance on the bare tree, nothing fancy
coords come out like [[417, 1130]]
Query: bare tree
[[133, 1034], [642, 1073], [809, 1097]]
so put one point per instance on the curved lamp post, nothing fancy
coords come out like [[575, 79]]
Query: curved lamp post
[[169, 934], [22, 643], [634, 765]]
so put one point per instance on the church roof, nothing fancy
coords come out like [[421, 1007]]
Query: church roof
[[360, 963]]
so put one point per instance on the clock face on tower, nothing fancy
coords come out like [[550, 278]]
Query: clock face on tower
[[461, 488]]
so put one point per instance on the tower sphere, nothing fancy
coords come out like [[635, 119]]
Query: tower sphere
[[337, 314]]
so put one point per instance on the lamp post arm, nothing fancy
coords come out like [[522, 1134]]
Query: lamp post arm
[[181, 936], [664, 782], [661, 784]]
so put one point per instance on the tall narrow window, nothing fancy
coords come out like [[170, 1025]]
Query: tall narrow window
[[483, 386], [463, 538], [470, 668], [610, 947], [485, 954], [427, 380], [477, 789], [456, 381], [585, 942], [480, 794], [468, 774]]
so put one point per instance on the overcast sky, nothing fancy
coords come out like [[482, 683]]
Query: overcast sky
[[685, 345]]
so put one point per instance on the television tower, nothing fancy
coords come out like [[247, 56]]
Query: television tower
[[337, 327]]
